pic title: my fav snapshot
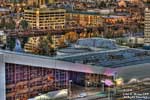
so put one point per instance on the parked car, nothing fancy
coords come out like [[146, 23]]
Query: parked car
[[82, 95]]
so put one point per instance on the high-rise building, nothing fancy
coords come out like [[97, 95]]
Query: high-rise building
[[44, 18], [147, 27], [32, 2], [15, 1], [50, 1], [39, 2]]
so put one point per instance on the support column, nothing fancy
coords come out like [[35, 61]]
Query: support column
[[2, 78]]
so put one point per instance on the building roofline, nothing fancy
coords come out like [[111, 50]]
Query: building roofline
[[47, 62]]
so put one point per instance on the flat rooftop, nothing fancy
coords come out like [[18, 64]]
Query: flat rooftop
[[138, 69], [44, 10], [111, 58], [46, 62], [84, 12]]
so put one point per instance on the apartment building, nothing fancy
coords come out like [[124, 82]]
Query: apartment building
[[147, 27], [39, 2], [84, 19], [45, 18]]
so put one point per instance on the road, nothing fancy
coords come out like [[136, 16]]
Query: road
[[141, 88], [92, 98]]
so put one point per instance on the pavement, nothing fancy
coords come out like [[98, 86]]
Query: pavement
[[142, 88], [94, 97]]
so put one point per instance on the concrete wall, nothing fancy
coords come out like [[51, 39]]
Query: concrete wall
[[2, 78]]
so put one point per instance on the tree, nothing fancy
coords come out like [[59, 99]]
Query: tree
[[11, 24], [11, 43], [102, 4], [24, 41], [71, 37], [46, 46], [61, 42], [3, 22], [24, 24]]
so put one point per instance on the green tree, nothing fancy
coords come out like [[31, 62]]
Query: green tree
[[102, 4], [11, 24], [2, 24], [46, 46], [24, 24], [11, 43], [71, 37], [24, 41]]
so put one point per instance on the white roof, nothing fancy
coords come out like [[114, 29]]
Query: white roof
[[4, 9], [139, 71], [127, 72], [1, 32], [47, 62], [97, 43]]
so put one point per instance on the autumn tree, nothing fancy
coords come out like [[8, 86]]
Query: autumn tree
[[71, 37], [46, 46]]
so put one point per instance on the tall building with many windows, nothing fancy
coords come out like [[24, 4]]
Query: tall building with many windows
[[147, 27], [84, 19], [39, 2], [44, 18]]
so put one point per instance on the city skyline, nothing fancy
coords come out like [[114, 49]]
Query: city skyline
[[74, 49]]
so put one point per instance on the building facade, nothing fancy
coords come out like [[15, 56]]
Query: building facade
[[25, 76], [147, 27], [44, 18], [31, 45], [33, 42], [3, 39], [23, 82], [86, 19], [40, 2]]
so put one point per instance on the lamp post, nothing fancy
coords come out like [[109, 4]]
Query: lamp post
[[40, 96], [109, 83], [86, 86], [115, 76], [109, 95], [69, 89], [103, 85]]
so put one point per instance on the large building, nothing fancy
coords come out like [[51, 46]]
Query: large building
[[44, 18], [147, 27], [31, 45], [3, 39], [39, 2], [4, 11], [84, 19], [25, 76]]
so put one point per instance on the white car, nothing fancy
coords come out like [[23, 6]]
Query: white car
[[82, 95]]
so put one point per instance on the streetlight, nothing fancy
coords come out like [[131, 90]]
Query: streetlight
[[69, 89], [115, 79], [118, 82], [109, 83], [86, 85], [103, 85]]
